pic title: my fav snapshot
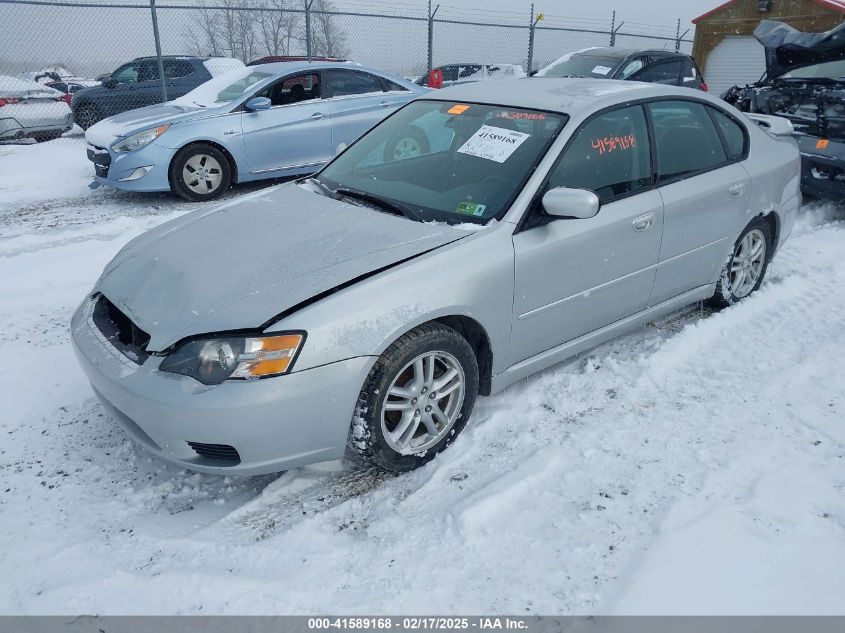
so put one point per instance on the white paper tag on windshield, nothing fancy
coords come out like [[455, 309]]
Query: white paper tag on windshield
[[493, 143], [601, 70]]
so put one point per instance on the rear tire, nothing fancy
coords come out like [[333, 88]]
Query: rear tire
[[200, 172], [401, 421], [746, 267]]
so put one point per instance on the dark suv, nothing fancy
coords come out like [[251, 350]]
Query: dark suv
[[655, 66], [137, 84]]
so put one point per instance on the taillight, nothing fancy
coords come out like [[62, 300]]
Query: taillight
[[8, 100], [66, 98], [704, 86]]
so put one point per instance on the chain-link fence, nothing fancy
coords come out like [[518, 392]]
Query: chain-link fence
[[131, 53]]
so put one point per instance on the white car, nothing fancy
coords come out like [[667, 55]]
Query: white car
[[31, 110]]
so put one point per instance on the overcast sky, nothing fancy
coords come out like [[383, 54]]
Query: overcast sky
[[658, 12]]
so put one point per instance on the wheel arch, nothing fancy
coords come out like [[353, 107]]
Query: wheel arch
[[233, 164], [773, 220]]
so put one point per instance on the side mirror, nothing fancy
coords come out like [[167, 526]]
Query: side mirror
[[258, 103], [109, 83], [563, 202]]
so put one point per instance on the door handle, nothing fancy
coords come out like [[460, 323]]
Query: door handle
[[317, 115], [385, 103], [736, 189], [643, 222]]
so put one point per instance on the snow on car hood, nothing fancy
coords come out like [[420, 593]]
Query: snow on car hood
[[107, 131], [788, 48], [240, 265]]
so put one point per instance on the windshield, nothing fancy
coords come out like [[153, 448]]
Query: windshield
[[596, 66], [223, 89], [450, 162], [826, 70]]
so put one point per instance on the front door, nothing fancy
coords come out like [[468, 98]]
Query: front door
[[295, 133], [574, 276]]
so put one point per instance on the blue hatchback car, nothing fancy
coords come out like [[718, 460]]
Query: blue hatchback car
[[256, 122]]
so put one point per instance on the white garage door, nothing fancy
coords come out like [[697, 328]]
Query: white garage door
[[735, 60]]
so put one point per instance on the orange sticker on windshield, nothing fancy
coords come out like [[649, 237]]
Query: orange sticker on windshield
[[822, 143], [613, 143], [458, 109]]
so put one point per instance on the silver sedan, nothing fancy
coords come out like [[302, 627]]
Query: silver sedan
[[367, 307]]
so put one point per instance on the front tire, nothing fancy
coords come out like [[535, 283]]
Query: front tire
[[200, 172], [409, 142], [416, 400], [746, 267]]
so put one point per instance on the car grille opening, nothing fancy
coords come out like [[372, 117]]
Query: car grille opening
[[120, 331], [222, 452]]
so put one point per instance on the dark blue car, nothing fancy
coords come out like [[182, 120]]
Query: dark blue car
[[138, 84]]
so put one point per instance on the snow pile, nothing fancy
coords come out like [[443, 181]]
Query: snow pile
[[220, 65]]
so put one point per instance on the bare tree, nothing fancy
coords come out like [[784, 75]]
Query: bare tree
[[203, 33], [327, 38], [279, 26]]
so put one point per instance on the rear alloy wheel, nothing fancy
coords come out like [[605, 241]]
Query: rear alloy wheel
[[744, 271], [417, 398], [86, 116], [200, 172], [407, 143]]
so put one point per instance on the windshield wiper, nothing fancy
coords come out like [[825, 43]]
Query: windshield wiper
[[382, 203]]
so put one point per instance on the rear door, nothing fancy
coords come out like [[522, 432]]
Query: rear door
[[295, 133], [573, 276], [706, 194], [180, 76], [357, 101]]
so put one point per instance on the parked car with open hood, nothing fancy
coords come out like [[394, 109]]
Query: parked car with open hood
[[804, 83], [256, 122], [29, 109], [652, 65], [137, 84], [368, 306]]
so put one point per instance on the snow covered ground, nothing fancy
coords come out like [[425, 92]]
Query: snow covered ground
[[694, 466]]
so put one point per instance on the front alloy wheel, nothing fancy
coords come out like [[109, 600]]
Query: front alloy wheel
[[200, 172], [416, 400]]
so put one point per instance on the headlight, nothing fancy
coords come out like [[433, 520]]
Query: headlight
[[213, 360], [140, 139]]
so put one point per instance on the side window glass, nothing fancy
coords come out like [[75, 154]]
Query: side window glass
[[610, 155], [344, 83], [148, 71], [631, 67], [686, 139], [293, 89], [174, 68], [690, 74], [732, 132], [392, 86], [450, 73], [127, 73], [666, 71]]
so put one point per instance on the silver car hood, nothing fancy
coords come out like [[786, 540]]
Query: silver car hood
[[240, 265]]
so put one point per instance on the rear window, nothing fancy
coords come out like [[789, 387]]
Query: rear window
[[583, 66], [686, 139]]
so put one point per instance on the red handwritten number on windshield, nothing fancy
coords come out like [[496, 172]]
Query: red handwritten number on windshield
[[613, 143]]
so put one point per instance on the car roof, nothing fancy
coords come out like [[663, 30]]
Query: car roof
[[614, 51], [285, 67], [572, 96]]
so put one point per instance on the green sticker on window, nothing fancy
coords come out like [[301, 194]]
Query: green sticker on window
[[471, 208]]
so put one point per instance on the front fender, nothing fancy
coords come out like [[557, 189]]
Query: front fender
[[472, 277]]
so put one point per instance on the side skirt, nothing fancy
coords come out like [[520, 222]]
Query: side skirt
[[583, 343]]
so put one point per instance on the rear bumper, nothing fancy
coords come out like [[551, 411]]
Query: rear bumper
[[274, 424], [822, 170]]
